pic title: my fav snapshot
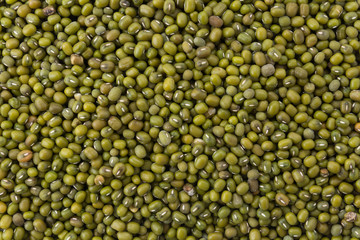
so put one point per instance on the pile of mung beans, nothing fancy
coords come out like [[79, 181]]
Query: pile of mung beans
[[179, 119]]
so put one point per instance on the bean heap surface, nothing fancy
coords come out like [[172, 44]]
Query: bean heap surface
[[179, 119]]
